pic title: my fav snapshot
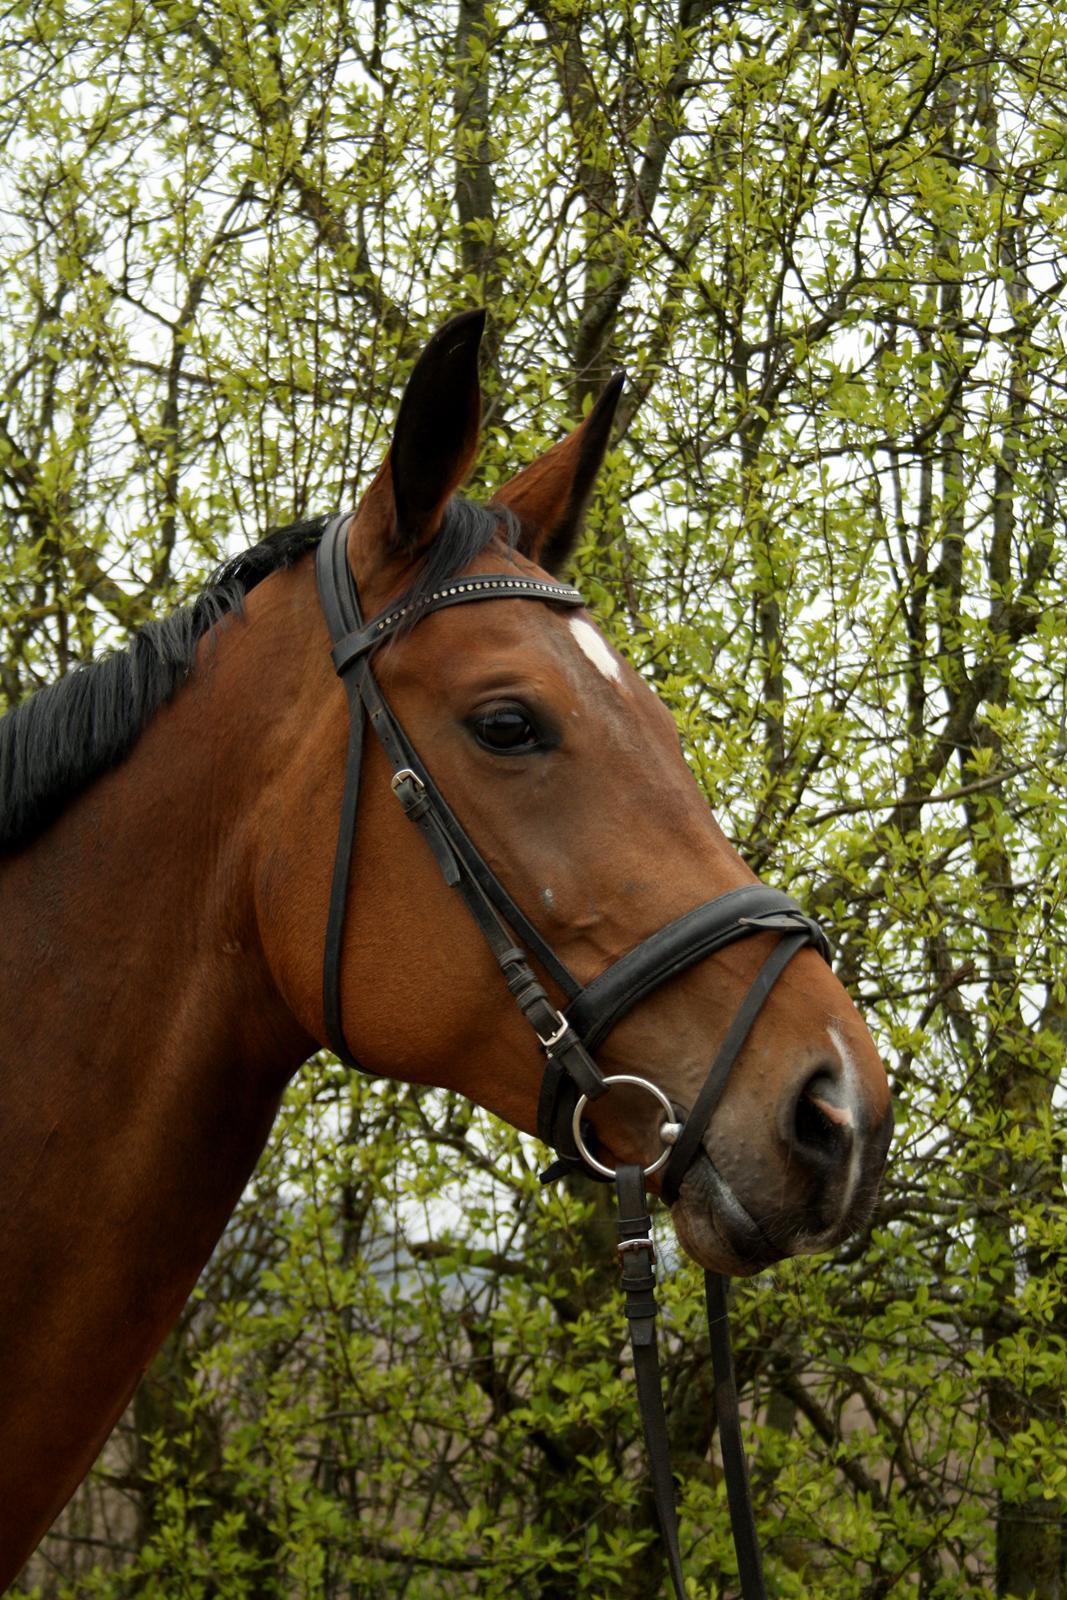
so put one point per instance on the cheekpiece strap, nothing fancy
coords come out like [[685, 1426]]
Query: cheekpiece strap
[[354, 642]]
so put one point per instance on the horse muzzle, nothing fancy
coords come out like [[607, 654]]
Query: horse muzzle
[[738, 1209]]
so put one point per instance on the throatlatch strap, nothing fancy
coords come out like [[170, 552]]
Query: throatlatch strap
[[340, 604], [335, 917]]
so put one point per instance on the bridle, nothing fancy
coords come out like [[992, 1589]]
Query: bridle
[[568, 1037]]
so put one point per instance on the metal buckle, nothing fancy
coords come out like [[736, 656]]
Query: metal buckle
[[669, 1138], [564, 1025], [626, 1245], [402, 777]]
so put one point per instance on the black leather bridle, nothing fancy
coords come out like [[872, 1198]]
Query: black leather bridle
[[568, 1037]]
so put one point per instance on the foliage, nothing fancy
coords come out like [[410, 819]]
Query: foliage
[[828, 244]]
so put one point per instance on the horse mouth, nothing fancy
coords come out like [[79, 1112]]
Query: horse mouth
[[714, 1227]]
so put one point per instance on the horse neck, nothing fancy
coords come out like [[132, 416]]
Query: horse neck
[[133, 915], [143, 1048]]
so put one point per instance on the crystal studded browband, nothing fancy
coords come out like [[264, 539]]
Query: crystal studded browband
[[493, 586]]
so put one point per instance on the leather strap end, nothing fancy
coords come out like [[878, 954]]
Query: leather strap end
[[560, 1168], [349, 649]]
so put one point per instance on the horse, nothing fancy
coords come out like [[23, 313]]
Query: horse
[[169, 881]]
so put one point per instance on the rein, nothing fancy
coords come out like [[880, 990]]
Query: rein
[[571, 1078]]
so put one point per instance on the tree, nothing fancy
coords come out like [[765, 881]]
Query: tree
[[828, 244]]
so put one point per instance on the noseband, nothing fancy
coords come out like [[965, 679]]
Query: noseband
[[571, 1077]]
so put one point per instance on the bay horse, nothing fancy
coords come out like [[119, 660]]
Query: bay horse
[[168, 822]]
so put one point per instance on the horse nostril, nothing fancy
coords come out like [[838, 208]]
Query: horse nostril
[[822, 1127]]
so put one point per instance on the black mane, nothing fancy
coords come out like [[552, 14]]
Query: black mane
[[54, 744]]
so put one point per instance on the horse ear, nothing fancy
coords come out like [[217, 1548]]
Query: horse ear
[[550, 495], [434, 443]]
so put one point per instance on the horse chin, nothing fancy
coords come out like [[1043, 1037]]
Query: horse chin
[[715, 1229]]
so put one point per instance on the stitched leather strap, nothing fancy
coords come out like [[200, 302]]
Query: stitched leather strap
[[462, 591], [637, 1258], [735, 1467], [461, 865], [340, 604], [703, 1109], [680, 945]]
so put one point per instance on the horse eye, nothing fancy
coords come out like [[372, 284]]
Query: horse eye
[[505, 728]]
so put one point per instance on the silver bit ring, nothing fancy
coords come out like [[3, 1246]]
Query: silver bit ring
[[639, 1083]]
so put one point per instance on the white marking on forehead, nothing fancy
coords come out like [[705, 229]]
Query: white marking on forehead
[[596, 648]]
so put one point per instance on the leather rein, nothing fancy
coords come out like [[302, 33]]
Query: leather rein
[[571, 1077]]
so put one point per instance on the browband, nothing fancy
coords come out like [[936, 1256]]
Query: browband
[[491, 586]]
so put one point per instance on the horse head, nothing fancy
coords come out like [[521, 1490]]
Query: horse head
[[553, 759]]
